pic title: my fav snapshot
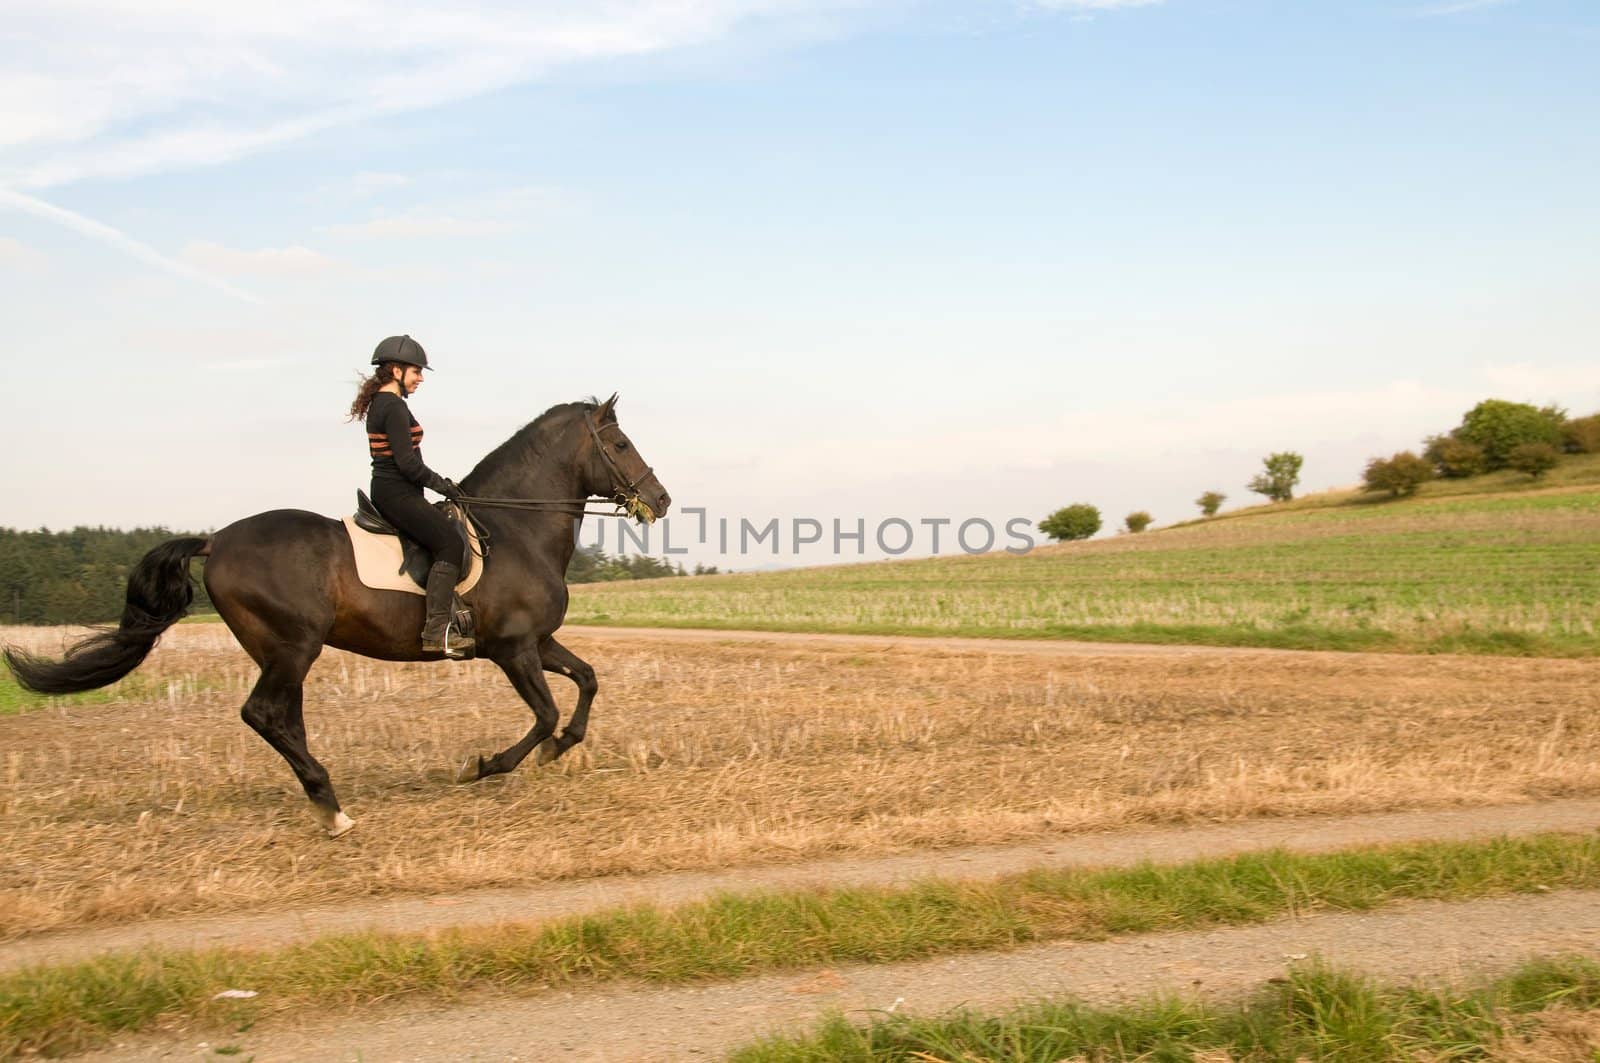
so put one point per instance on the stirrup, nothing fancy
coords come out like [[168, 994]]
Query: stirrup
[[464, 647], [457, 649]]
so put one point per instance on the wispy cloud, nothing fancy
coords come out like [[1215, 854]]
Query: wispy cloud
[[364, 187], [418, 223], [369, 182], [99, 89], [1457, 7], [483, 215], [94, 230], [273, 261], [1091, 5], [96, 88]]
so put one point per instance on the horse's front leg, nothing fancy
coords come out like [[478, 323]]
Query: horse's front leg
[[525, 672], [557, 658]]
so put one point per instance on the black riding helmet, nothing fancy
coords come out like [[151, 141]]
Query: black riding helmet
[[402, 349]]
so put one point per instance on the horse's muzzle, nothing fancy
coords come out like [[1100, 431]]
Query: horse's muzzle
[[645, 505], [654, 497]]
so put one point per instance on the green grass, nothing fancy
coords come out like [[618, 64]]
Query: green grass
[[69, 1007], [1512, 574], [14, 700], [1316, 1013]]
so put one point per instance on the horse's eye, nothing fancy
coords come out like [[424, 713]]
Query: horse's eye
[[622, 446]]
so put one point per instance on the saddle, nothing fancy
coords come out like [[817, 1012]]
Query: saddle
[[388, 560]]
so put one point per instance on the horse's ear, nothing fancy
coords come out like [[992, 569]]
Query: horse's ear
[[607, 410]]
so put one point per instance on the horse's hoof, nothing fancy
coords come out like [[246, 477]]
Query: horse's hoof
[[336, 824], [468, 772], [546, 752]]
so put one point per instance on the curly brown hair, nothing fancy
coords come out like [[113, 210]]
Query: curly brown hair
[[370, 386]]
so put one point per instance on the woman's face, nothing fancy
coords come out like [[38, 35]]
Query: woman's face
[[410, 379]]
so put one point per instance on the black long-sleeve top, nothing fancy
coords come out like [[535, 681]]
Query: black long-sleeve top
[[395, 439]]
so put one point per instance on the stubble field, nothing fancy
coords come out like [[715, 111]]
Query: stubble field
[[704, 754]]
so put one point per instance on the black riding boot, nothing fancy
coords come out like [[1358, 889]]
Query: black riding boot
[[441, 595]]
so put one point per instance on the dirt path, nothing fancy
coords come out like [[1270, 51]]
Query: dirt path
[[630, 1023], [569, 898]]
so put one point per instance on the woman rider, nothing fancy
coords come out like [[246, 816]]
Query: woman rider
[[398, 476]]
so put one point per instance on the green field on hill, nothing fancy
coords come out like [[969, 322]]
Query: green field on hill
[[1513, 572]]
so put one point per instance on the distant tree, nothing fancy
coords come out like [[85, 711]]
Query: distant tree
[[1499, 427], [1581, 435], [1137, 521], [1399, 475], [1455, 458], [1281, 472], [590, 564], [1535, 459], [584, 567], [1210, 502], [1077, 521], [639, 566]]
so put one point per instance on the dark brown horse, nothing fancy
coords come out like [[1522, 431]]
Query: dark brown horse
[[285, 583]]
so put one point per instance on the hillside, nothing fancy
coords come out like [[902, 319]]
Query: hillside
[[1575, 471], [1499, 564]]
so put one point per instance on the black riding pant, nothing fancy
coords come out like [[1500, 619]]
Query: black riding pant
[[403, 506]]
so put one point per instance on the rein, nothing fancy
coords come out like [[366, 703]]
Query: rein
[[573, 506], [625, 498]]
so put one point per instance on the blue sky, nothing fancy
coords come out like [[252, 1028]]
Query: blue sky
[[841, 259]]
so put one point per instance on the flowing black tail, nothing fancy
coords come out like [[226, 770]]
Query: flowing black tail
[[159, 593]]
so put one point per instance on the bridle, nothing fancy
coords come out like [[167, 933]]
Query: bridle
[[626, 496]]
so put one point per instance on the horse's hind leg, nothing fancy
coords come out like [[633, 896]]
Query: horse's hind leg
[[274, 711], [524, 671], [557, 658]]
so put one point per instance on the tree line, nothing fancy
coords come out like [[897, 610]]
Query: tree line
[[81, 576], [590, 564], [73, 577]]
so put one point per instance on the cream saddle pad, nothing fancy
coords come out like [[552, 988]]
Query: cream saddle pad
[[378, 560]]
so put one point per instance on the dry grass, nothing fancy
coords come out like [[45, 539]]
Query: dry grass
[[716, 753], [1557, 1035]]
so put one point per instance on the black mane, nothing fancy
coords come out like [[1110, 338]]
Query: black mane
[[526, 445]]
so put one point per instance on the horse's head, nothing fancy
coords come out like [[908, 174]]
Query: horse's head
[[617, 470]]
